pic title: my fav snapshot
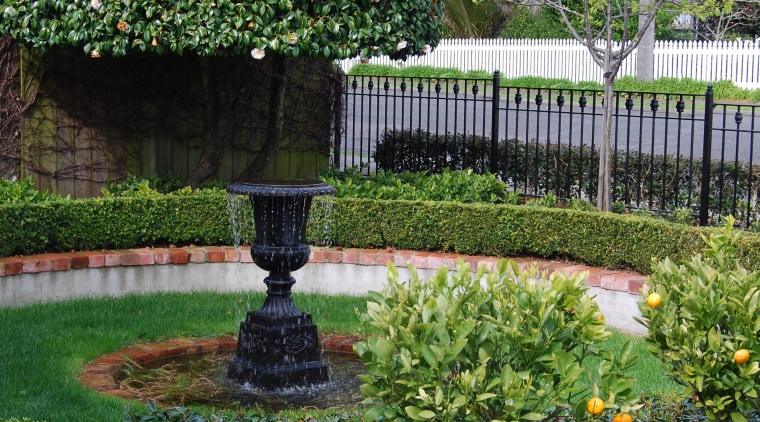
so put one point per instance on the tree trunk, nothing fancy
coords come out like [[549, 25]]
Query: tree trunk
[[277, 83], [604, 192], [645, 50], [213, 149], [604, 187]]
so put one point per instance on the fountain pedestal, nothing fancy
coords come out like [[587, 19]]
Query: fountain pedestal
[[278, 345]]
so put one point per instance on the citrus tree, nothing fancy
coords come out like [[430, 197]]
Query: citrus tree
[[704, 326], [501, 345], [276, 29]]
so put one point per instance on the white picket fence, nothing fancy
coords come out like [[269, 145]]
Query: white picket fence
[[738, 61]]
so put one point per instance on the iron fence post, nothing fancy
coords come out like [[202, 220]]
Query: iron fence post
[[494, 167], [704, 196]]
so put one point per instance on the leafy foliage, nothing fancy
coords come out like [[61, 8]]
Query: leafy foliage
[[291, 28], [709, 310], [659, 182], [508, 348], [137, 186], [525, 23], [23, 191], [473, 18], [500, 229], [548, 200], [460, 186], [118, 222]]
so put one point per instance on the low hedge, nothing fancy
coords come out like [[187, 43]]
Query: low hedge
[[600, 239], [122, 222]]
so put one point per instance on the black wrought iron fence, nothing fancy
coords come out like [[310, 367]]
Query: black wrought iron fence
[[547, 140]]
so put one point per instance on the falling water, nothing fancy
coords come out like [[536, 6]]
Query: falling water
[[241, 220], [318, 227]]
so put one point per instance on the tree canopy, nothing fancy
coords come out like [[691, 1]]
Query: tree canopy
[[291, 28]]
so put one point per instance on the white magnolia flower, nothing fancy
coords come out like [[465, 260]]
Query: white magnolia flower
[[293, 38], [257, 54], [95, 4], [426, 49], [401, 45]]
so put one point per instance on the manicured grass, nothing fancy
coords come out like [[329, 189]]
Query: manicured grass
[[44, 346]]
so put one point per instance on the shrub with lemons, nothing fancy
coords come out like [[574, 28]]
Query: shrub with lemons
[[501, 345], [703, 324]]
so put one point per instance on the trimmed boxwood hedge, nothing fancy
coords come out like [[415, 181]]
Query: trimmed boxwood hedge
[[123, 222], [600, 239]]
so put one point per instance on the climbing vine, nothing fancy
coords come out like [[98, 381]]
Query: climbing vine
[[11, 108]]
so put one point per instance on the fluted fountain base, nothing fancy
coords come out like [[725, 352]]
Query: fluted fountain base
[[278, 352]]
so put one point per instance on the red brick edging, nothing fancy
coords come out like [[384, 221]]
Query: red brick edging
[[618, 280], [100, 374]]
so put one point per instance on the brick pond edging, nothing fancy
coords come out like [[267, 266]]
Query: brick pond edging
[[101, 374], [614, 280]]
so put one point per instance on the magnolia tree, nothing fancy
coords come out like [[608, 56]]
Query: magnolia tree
[[276, 29]]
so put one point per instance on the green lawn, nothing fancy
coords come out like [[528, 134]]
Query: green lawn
[[45, 345]]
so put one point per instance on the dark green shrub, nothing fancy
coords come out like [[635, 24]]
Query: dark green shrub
[[602, 239], [26, 228], [640, 180], [523, 22], [16, 420], [199, 217], [202, 217], [414, 151]]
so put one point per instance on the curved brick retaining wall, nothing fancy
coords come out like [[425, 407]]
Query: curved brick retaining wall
[[60, 276]]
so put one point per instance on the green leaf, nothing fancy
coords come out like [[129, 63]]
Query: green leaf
[[383, 348]]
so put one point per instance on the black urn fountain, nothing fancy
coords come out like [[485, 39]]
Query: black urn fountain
[[278, 345]]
